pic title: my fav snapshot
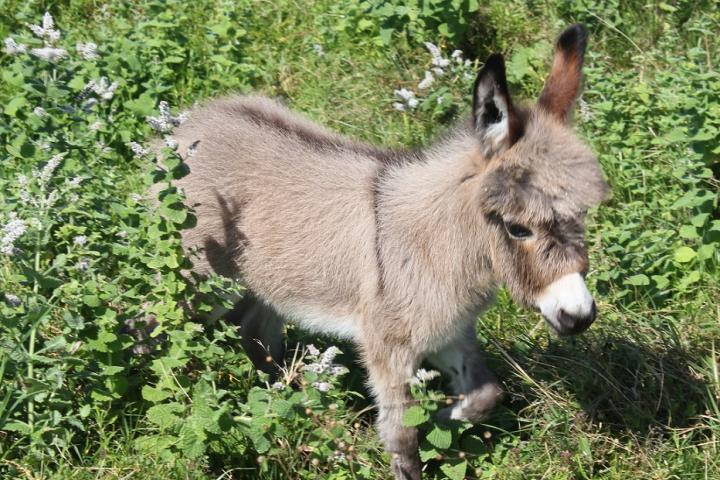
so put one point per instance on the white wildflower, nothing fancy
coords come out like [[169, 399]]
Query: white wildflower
[[104, 89], [170, 142], [95, 126], [468, 63], [314, 368], [52, 198], [13, 300], [323, 387], [585, 113], [438, 71], [278, 386], [14, 48], [437, 59], [427, 81], [137, 149], [83, 264], [80, 240], [457, 55], [338, 370], [45, 174], [165, 122], [399, 106], [404, 94], [47, 32], [312, 350], [49, 54], [87, 50], [122, 234], [24, 184], [440, 100], [75, 182], [338, 457], [136, 197], [423, 376], [11, 232], [319, 49], [408, 96], [329, 355], [39, 112]]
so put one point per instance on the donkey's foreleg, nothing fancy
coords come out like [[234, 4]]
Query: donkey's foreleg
[[476, 386], [390, 366]]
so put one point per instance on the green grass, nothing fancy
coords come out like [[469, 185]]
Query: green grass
[[638, 396]]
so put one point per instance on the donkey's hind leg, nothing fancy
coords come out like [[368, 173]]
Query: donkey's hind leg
[[476, 386], [261, 329]]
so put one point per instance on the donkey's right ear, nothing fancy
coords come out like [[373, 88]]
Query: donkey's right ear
[[494, 116]]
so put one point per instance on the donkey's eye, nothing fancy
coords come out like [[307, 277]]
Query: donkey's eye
[[517, 231]]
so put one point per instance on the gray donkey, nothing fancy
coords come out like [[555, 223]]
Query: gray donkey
[[398, 251]]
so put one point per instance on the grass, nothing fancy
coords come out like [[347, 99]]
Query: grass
[[636, 397]]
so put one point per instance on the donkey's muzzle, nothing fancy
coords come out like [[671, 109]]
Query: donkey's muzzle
[[571, 324]]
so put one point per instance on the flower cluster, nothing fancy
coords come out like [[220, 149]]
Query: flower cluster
[[423, 376], [166, 121], [88, 50], [49, 35], [324, 365], [11, 232], [408, 100], [452, 68]]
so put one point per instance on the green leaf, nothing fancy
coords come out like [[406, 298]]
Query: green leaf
[[152, 394], [684, 254], [637, 280], [455, 469], [165, 415], [688, 231], [414, 416], [440, 437], [661, 282], [143, 105], [14, 105], [706, 252]]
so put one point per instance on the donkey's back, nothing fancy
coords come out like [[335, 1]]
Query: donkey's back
[[283, 205]]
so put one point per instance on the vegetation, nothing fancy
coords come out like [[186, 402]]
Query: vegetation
[[105, 374]]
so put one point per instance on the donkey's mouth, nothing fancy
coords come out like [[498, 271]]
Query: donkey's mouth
[[565, 324], [567, 305]]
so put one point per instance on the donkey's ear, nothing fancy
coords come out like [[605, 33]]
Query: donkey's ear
[[494, 117], [563, 85]]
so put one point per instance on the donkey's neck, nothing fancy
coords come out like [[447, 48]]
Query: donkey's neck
[[432, 240]]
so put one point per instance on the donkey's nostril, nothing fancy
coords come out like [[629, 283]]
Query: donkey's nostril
[[572, 324]]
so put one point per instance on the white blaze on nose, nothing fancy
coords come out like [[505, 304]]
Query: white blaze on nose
[[567, 293]]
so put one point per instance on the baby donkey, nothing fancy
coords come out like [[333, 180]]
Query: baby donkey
[[398, 251]]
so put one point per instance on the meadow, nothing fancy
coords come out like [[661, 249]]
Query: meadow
[[105, 372]]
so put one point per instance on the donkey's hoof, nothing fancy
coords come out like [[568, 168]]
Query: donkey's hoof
[[475, 405], [406, 466]]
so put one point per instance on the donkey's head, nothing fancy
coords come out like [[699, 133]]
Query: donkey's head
[[538, 183]]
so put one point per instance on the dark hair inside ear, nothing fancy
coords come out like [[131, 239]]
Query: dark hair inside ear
[[492, 105], [490, 114]]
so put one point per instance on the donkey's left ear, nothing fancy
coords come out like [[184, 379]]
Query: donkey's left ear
[[494, 117], [563, 85]]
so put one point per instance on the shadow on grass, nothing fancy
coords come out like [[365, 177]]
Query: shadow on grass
[[623, 385]]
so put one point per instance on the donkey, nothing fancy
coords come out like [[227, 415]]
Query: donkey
[[398, 251]]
